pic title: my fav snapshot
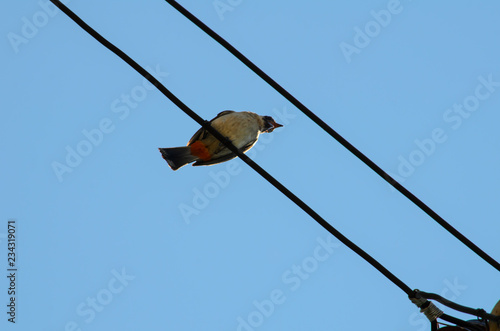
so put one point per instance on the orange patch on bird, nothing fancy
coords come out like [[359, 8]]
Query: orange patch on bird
[[200, 150]]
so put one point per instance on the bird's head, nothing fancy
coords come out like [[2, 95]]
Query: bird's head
[[269, 124]]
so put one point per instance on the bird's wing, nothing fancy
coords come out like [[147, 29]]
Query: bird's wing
[[217, 160], [243, 149], [202, 133], [225, 157]]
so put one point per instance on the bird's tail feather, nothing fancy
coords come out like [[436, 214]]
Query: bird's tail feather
[[177, 157]]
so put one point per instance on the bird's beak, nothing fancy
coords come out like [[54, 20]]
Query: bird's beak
[[270, 125]]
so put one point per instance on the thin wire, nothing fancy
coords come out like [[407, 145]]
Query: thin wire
[[246, 159], [335, 135]]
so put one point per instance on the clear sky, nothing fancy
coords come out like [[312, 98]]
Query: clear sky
[[110, 238]]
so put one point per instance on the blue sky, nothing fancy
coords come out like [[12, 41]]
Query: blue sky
[[109, 238]]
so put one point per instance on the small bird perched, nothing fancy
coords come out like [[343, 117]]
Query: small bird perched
[[242, 128]]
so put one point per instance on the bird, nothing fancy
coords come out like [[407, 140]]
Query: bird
[[242, 128]]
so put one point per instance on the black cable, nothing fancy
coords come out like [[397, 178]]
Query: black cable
[[246, 159], [334, 134], [433, 313], [471, 311], [465, 324], [235, 150]]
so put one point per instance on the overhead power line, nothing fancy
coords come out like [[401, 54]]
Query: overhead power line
[[429, 211], [206, 125]]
